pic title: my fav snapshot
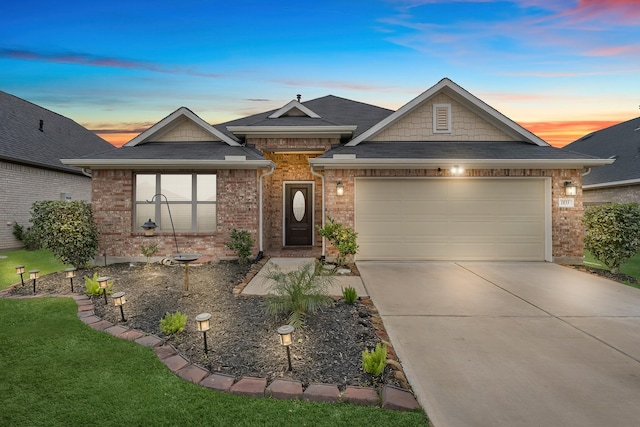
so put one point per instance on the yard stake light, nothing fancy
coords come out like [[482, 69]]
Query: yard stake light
[[203, 326], [20, 271], [70, 273], [119, 300], [286, 339], [102, 283], [34, 274]]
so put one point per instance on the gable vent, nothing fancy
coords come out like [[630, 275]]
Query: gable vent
[[441, 118]]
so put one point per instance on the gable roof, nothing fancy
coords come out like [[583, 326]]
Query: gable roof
[[465, 98], [22, 141], [175, 119], [294, 108], [621, 142]]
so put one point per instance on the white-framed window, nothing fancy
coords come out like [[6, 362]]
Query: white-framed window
[[441, 118], [191, 197]]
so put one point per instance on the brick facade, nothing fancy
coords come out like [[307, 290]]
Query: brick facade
[[621, 194]]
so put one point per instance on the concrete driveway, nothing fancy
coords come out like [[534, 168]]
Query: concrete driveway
[[512, 344]]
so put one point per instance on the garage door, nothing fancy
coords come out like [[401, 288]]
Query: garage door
[[450, 219]]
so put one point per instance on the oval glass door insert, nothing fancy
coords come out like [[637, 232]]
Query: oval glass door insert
[[298, 206]]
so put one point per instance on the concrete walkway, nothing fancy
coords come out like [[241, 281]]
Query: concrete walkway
[[512, 344]]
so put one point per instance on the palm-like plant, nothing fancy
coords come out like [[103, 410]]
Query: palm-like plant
[[299, 292]]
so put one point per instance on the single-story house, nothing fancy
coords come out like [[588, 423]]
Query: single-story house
[[620, 181], [445, 177], [32, 141]]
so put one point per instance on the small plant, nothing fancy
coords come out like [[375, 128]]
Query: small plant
[[172, 323], [241, 244], [149, 251], [343, 238], [374, 362], [299, 292], [18, 231], [92, 288], [349, 294]]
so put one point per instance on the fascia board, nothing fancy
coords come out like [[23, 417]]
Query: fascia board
[[328, 163], [612, 184], [291, 130], [294, 104], [168, 164]]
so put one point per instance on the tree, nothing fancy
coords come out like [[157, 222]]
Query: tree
[[612, 233], [67, 229], [343, 238]]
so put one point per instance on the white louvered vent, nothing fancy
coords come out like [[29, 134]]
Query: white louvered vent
[[441, 118]]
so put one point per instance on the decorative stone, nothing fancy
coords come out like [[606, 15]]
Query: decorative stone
[[398, 399], [321, 393], [285, 389], [250, 386], [364, 396], [220, 382]]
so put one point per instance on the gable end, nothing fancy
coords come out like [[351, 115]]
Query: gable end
[[441, 118]]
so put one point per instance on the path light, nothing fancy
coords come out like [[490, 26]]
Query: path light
[[340, 189], [286, 339], [119, 300], [70, 273], [102, 283], [33, 275], [149, 228], [20, 271], [203, 326]]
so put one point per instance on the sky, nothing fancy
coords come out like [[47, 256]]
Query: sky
[[560, 68]]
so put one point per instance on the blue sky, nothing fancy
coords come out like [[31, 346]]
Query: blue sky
[[560, 68]]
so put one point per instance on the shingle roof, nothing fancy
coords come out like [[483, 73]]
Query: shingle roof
[[621, 141], [333, 111], [21, 140]]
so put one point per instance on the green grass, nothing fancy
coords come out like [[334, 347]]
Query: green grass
[[630, 268], [56, 371], [41, 260]]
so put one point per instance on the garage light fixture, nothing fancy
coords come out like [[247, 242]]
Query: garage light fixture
[[570, 189], [340, 189], [457, 170]]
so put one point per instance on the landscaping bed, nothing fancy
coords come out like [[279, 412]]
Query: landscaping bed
[[243, 340]]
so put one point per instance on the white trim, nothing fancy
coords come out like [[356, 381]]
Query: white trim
[[160, 128], [168, 164], [548, 220], [437, 107], [461, 95], [612, 184], [284, 209], [294, 105], [291, 131]]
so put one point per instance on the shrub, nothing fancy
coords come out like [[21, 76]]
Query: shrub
[[67, 229], [173, 322], [612, 233], [92, 288], [25, 236], [241, 244], [374, 362], [343, 238], [298, 292], [149, 251], [349, 294]]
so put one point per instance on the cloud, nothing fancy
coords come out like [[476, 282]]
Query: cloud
[[561, 133], [335, 84], [616, 11], [99, 61]]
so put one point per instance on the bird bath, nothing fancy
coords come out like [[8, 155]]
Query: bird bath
[[186, 259]]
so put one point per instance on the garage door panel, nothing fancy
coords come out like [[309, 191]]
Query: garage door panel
[[445, 219]]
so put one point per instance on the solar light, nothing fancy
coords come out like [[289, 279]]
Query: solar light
[[70, 273], [119, 300], [33, 275], [202, 320], [286, 339], [102, 283], [149, 228], [20, 271]]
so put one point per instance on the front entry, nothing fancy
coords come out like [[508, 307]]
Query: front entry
[[298, 216]]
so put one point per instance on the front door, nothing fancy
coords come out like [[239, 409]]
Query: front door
[[298, 216]]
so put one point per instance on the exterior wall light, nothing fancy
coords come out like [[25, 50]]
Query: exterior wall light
[[33, 275], [339, 189], [204, 325], [149, 228], [102, 283], [457, 170], [570, 189], [70, 273], [119, 300], [286, 339], [20, 271]]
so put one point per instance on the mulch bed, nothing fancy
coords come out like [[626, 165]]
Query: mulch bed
[[618, 277], [243, 340]]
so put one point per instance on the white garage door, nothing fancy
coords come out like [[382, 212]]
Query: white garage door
[[450, 219]]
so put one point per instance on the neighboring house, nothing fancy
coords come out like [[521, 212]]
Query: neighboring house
[[446, 177], [32, 141], [620, 181]]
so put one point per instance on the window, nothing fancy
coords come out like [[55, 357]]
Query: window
[[441, 118], [191, 197]]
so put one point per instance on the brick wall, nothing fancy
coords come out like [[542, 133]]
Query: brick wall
[[237, 207], [622, 194], [23, 185]]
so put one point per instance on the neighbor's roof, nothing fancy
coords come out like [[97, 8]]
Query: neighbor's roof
[[622, 142], [21, 140]]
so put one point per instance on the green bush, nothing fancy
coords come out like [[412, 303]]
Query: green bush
[[67, 229], [241, 244], [298, 292], [92, 288], [25, 236], [173, 322], [612, 233], [349, 294], [374, 362], [343, 238]]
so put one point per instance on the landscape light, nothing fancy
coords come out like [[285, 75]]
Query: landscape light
[[286, 339], [202, 320]]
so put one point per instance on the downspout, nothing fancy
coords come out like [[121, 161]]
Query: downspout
[[313, 172], [260, 245]]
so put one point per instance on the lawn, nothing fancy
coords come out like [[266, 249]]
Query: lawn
[[32, 260], [630, 268], [58, 371]]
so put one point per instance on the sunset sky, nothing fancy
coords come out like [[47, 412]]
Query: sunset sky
[[561, 68]]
